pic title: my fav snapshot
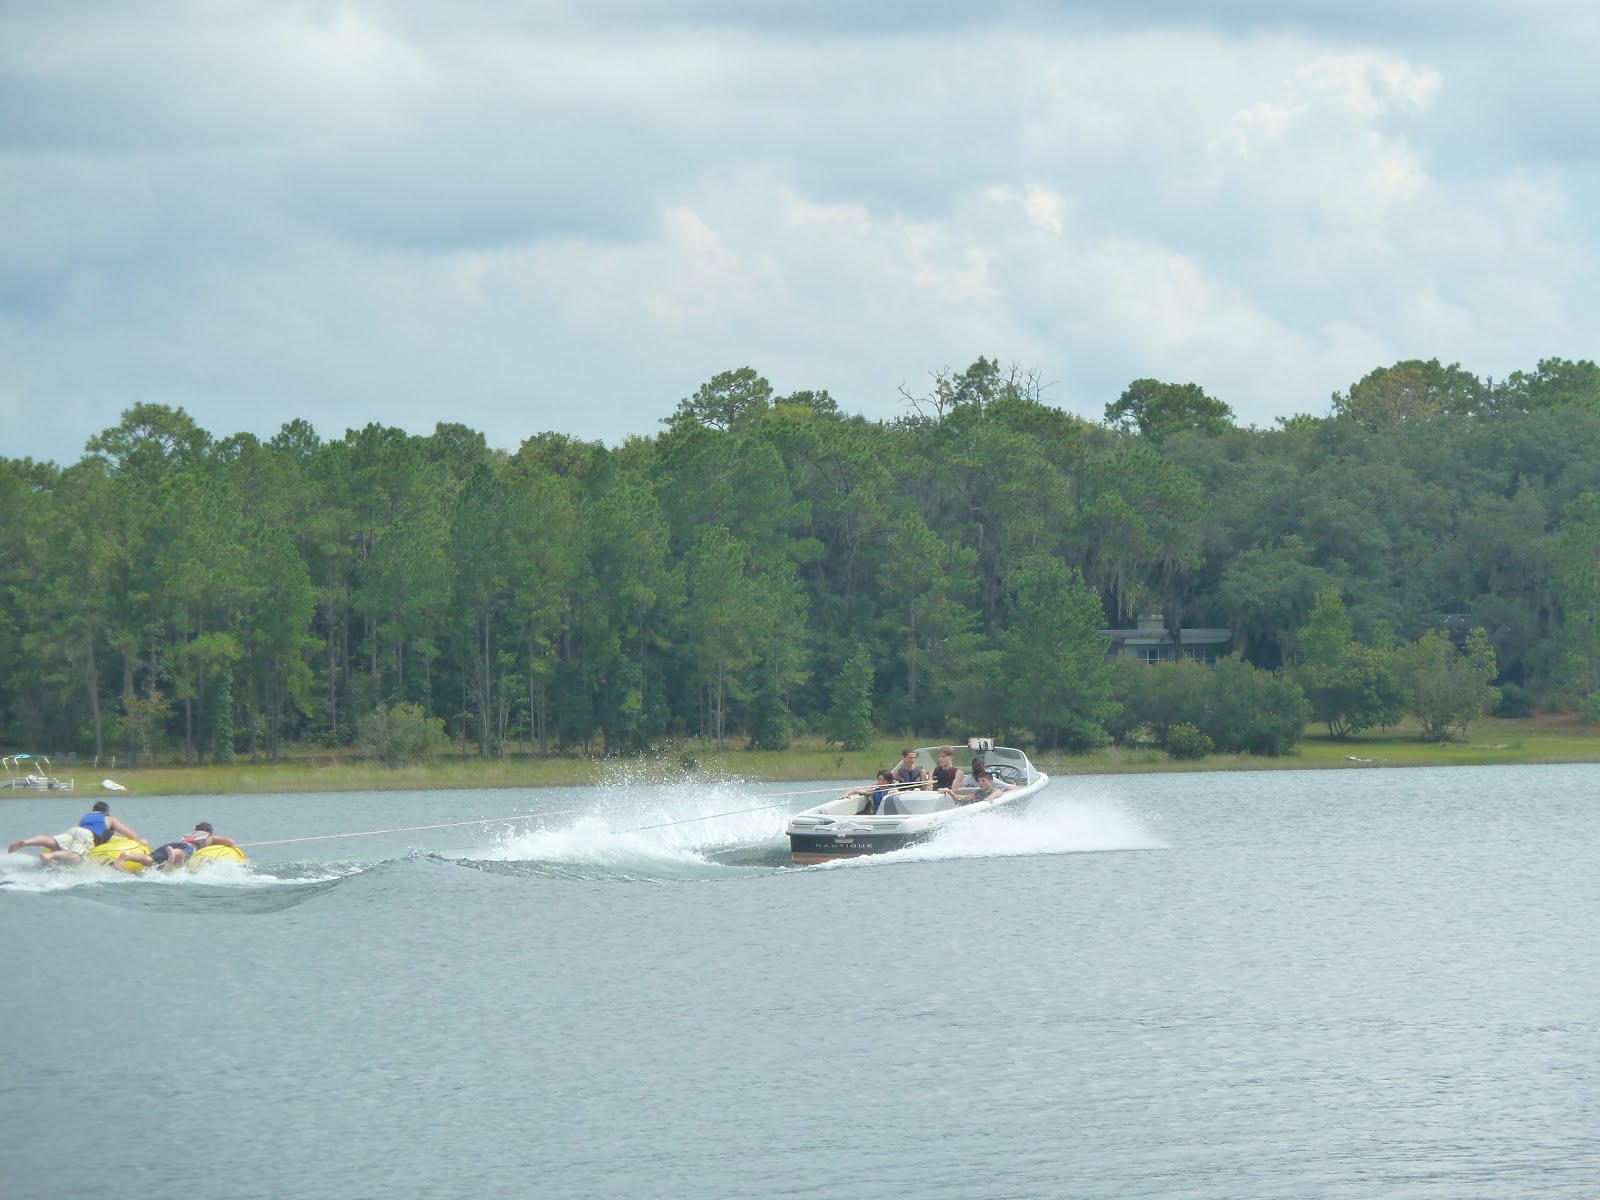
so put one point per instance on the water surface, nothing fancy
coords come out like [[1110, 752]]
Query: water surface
[[1373, 983]]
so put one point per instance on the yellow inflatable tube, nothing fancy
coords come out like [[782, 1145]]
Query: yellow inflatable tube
[[213, 854], [106, 853]]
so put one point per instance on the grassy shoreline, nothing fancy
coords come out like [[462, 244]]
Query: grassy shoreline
[[1544, 739]]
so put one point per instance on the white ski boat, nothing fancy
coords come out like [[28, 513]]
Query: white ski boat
[[860, 822]]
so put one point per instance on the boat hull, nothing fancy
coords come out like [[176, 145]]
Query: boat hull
[[819, 847], [829, 847]]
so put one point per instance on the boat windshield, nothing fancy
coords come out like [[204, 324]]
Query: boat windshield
[[1007, 764]]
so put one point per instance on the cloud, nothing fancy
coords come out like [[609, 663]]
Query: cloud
[[566, 217]]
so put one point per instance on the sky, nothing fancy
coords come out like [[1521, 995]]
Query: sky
[[531, 216]]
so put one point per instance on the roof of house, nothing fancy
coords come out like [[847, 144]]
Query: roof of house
[[1160, 637]]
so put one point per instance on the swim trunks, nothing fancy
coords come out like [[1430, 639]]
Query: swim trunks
[[77, 839]]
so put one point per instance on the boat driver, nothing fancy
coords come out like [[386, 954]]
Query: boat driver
[[174, 854], [94, 828]]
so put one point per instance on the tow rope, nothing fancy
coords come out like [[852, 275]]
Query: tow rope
[[562, 812], [322, 837]]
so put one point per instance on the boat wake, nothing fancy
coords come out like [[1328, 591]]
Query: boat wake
[[685, 832], [675, 832], [1046, 826], [25, 874]]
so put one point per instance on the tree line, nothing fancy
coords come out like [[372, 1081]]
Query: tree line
[[768, 564]]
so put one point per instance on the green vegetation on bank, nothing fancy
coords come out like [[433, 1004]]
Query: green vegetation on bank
[[1494, 742], [768, 569]]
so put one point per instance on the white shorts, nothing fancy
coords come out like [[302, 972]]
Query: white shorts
[[77, 839]]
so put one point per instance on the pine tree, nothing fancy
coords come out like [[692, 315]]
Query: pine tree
[[222, 716], [850, 709]]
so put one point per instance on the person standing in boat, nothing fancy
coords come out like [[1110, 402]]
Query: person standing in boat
[[908, 771], [174, 854], [947, 776], [94, 828]]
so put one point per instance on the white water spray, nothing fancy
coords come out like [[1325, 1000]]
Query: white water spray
[[1048, 825], [657, 826]]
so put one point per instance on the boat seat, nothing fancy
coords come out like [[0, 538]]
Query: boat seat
[[904, 804]]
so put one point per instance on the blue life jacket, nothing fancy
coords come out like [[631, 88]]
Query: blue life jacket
[[99, 825]]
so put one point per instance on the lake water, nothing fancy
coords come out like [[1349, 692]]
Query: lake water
[[1364, 983]]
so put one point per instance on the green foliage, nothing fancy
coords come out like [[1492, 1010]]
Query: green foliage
[[1361, 691], [151, 440], [1265, 593], [1160, 696], [1252, 711], [927, 616], [1350, 687], [1410, 391], [742, 612], [1326, 636], [142, 721], [1123, 726], [1056, 680], [1515, 702], [401, 735], [1157, 410], [974, 389], [222, 750], [849, 721], [1448, 688], [711, 578], [1577, 586], [1187, 743], [729, 399], [1237, 707], [771, 722], [1555, 383]]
